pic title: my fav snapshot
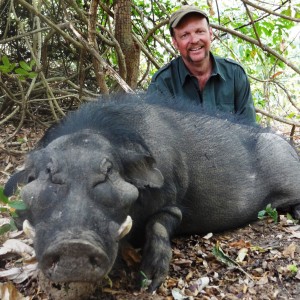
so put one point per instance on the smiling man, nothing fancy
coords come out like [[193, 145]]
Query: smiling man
[[199, 76]]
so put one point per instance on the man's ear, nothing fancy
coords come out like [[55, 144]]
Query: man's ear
[[211, 33], [174, 42], [139, 169]]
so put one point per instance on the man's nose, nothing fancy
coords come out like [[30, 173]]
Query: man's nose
[[195, 38]]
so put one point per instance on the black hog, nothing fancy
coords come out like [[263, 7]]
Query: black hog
[[165, 169]]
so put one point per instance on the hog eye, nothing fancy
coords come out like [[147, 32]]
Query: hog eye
[[55, 178], [109, 170], [106, 166], [101, 178], [30, 178]]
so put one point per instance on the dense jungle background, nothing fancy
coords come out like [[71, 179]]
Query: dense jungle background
[[56, 55]]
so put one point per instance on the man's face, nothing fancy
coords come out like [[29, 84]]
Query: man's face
[[192, 38]]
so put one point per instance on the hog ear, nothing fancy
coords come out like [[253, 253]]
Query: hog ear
[[12, 184], [139, 170]]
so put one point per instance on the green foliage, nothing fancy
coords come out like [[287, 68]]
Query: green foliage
[[269, 211], [6, 66], [9, 207], [293, 269], [145, 281], [225, 259], [24, 70], [290, 218], [222, 257]]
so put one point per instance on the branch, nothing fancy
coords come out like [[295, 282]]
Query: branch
[[255, 42], [271, 12], [17, 37], [93, 42], [282, 120], [51, 24], [287, 94], [95, 53], [253, 24]]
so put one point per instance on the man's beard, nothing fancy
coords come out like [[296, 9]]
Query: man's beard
[[190, 60]]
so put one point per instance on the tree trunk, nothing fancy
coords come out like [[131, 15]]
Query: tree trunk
[[130, 48]]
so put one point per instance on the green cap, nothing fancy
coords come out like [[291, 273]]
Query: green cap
[[177, 16]]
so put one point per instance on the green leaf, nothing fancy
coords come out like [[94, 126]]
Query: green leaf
[[290, 218], [12, 224], [5, 61], [268, 211], [287, 12], [32, 74], [4, 69], [261, 214], [25, 66], [19, 205], [221, 256], [7, 66], [5, 228], [32, 63], [3, 198], [293, 269], [21, 71], [145, 281]]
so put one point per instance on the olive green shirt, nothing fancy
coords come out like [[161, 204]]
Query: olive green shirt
[[227, 89]]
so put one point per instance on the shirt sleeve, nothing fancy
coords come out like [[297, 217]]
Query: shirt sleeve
[[243, 98], [159, 87], [153, 88]]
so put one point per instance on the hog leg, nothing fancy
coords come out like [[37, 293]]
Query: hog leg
[[157, 251]]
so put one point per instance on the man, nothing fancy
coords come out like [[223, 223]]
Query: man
[[198, 75]]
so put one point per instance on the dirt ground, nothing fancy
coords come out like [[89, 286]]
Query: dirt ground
[[258, 261]]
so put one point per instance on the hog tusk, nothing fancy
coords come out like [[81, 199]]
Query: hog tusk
[[124, 228], [28, 229]]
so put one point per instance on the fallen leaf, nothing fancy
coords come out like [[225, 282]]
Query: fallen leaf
[[197, 286], [208, 236], [28, 229], [240, 244], [296, 235], [18, 247], [221, 256], [241, 255], [290, 250], [189, 276], [186, 262], [178, 294], [9, 292], [263, 280], [20, 274], [130, 255], [4, 221]]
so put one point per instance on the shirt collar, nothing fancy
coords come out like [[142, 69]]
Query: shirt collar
[[184, 72]]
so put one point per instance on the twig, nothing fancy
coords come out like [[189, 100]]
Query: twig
[[255, 42], [109, 69], [282, 120], [271, 12]]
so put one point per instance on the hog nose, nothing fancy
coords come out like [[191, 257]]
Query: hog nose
[[75, 260]]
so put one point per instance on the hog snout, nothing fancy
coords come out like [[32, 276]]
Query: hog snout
[[75, 260]]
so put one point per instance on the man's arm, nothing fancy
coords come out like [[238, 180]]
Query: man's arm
[[243, 99]]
